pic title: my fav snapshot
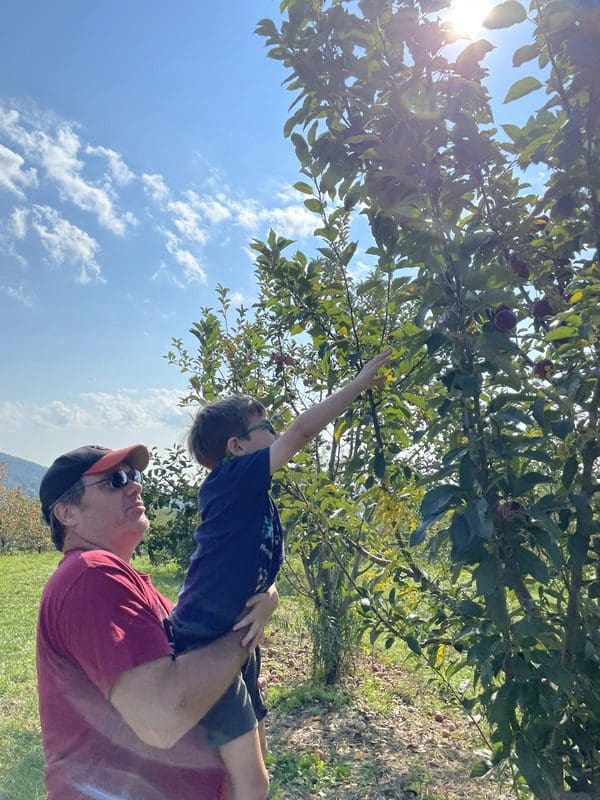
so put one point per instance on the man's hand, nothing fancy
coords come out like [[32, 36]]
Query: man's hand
[[259, 610]]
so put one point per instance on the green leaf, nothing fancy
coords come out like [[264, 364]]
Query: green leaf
[[502, 708], [314, 205], [562, 332], [418, 534], [301, 147], [524, 54], [578, 545], [339, 429], [460, 536], [438, 500], [413, 644], [513, 131], [485, 577], [468, 474], [563, 428], [522, 87], [532, 565], [303, 187], [476, 514], [467, 608], [435, 341], [505, 15], [527, 481], [537, 410], [473, 52], [569, 471]]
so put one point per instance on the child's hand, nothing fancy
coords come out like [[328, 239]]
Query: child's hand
[[259, 610], [367, 377]]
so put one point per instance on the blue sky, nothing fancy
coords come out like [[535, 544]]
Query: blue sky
[[141, 149]]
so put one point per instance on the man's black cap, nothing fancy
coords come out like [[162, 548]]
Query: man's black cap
[[90, 460]]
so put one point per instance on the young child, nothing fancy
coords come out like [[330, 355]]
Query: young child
[[239, 552]]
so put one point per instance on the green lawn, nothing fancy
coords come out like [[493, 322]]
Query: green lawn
[[22, 578]]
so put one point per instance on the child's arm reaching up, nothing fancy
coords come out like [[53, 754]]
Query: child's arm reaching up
[[305, 427]]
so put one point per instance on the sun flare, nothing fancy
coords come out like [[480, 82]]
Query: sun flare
[[466, 16]]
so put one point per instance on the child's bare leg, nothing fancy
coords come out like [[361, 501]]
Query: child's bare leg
[[247, 772], [262, 738]]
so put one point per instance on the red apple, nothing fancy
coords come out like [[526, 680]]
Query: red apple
[[543, 369], [520, 268], [504, 319], [542, 308]]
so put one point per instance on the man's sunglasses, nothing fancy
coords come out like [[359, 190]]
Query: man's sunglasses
[[264, 424], [120, 478]]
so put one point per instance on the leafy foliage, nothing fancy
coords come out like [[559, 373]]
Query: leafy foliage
[[312, 328], [499, 291], [21, 527]]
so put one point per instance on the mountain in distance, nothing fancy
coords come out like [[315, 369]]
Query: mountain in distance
[[26, 475]]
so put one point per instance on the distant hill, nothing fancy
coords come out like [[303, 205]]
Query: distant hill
[[24, 474]]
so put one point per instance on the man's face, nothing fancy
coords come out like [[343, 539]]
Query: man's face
[[113, 516]]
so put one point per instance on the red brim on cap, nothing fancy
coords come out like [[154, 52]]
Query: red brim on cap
[[137, 456]]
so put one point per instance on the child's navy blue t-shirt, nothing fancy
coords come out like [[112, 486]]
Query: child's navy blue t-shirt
[[239, 546]]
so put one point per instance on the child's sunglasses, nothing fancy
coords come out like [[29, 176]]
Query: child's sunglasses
[[264, 424], [120, 478]]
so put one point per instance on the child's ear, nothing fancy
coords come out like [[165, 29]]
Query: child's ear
[[233, 446]]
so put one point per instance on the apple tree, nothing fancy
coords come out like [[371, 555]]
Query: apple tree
[[21, 526], [313, 325]]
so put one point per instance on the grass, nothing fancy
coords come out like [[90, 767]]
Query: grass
[[21, 580]]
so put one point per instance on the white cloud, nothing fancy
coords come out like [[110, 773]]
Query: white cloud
[[155, 186], [67, 244], [192, 219], [240, 298], [124, 409], [165, 275], [288, 195], [252, 254], [187, 221], [12, 175], [360, 270], [55, 147], [18, 293], [58, 414], [213, 209], [12, 414], [17, 223], [59, 157], [117, 167], [291, 220], [192, 269]]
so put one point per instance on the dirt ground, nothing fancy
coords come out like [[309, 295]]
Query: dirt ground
[[400, 752]]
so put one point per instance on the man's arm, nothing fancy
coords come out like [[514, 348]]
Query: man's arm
[[305, 427], [163, 699]]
